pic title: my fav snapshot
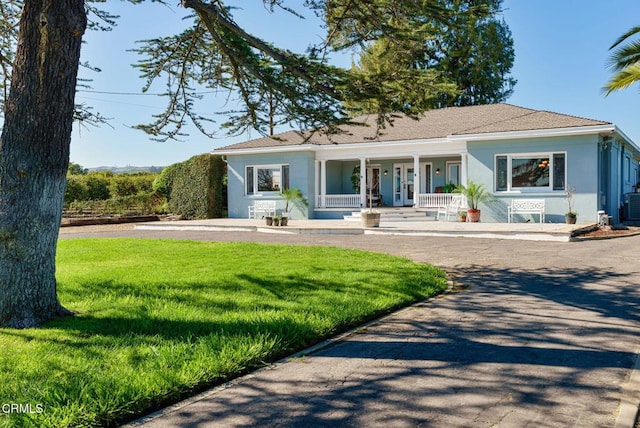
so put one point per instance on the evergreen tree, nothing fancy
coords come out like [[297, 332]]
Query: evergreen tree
[[474, 52], [43, 58]]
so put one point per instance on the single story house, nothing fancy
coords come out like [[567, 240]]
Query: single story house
[[514, 152]]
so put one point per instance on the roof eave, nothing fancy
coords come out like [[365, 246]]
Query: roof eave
[[503, 135], [538, 133], [626, 138], [261, 150]]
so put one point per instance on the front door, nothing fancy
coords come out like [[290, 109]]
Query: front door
[[403, 185]]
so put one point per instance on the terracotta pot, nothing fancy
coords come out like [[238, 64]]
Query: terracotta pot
[[370, 219], [474, 215]]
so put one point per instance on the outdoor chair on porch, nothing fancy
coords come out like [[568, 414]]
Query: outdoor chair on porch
[[451, 210]]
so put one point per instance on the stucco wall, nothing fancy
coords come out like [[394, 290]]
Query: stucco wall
[[622, 163], [301, 171], [581, 172]]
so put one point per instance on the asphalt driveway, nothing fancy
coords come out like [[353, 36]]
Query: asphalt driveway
[[540, 334]]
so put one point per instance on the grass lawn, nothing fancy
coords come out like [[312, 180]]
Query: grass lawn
[[159, 320]]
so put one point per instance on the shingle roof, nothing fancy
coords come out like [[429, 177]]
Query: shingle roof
[[440, 123]]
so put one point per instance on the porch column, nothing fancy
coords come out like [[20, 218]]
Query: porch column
[[463, 169], [323, 183], [416, 180], [316, 183], [363, 182]]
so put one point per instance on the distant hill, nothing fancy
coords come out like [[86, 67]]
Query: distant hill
[[127, 169]]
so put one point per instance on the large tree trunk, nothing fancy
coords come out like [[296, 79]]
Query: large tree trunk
[[34, 155]]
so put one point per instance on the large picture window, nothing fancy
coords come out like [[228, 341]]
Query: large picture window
[[266, 178], [530, 172]]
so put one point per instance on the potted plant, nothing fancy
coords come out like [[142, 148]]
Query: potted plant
[[449, 188], [370, 217], [571, 216], [294, 197], [463, 216], [355, 178], [475, 193], [276, 220], [268, 220]]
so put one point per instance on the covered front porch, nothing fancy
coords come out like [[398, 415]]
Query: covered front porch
[[422, 182]]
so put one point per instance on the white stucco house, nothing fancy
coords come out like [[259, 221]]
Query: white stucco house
[[514, 152]]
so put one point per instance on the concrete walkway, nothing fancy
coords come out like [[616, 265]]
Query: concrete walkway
[[421, 226], [539, 334]]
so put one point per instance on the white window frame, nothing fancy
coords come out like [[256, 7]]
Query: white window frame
[[451, 164], [539, 189], [256, 192]]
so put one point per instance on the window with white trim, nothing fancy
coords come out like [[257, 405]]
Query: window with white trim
[[627, 167], [260, 179], [530, 172]]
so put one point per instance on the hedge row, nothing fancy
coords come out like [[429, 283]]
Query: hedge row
[[195, 188], [141, 204], [100, 186]]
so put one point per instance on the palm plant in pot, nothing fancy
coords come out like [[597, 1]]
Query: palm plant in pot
[[475, 193], [294, 197]]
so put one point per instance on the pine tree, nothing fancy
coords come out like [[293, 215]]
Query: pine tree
[[471, 52], [43, 58]]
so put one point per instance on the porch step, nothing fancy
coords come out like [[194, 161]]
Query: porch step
[[390, 214]]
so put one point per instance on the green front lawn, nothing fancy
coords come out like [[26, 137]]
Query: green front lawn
[[159, 320]]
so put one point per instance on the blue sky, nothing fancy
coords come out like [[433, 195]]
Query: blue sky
[[561, 49]]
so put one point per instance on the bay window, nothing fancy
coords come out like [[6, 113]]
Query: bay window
[[260, 179], [530, 172]]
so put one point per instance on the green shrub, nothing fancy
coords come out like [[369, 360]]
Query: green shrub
[[98, 186], [140, 204], [122, 186], [198, 188], [131, 184], [144, 181], [164, 181], [76, 189], [103, 193]]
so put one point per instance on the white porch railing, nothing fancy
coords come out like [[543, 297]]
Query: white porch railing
[[434, 200], [425, 200], [339, 201]]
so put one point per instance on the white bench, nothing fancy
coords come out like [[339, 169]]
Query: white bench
[[452, 209], [526, 206], [268, 208]]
